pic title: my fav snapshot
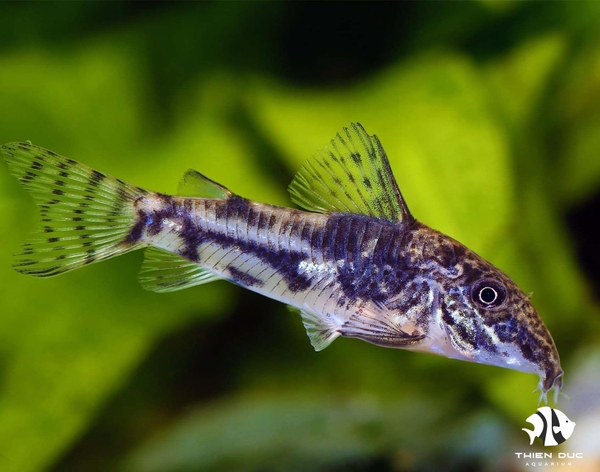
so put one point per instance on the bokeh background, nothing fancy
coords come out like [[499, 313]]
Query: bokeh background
[[490, 113]]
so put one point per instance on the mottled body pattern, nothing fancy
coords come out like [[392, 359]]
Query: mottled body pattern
[[340, 264], [359, 265]]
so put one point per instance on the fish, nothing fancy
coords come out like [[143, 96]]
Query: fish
[[552, 426], [353, 262]]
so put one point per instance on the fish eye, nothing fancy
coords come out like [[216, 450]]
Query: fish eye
[[488, 293]]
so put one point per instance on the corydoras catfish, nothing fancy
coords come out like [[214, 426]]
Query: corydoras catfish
[[356, 264]]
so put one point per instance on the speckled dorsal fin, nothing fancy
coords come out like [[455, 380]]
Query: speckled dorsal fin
[[194, 184], [352, 175], [163, 271]]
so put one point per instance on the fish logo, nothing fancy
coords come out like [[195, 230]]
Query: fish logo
[[550, 425]]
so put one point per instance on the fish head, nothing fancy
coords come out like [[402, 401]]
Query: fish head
[[565, 425], [486, 318]]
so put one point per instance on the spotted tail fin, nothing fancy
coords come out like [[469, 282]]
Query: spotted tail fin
[[87, 216]]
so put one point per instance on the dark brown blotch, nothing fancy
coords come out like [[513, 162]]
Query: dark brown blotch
[[27, 250], [123, 195], [244, 279], [90, 256], [28, 177], [25, 262], [96, 178]]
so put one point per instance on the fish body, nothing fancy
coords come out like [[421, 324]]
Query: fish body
[[551, 425], [356, 264]]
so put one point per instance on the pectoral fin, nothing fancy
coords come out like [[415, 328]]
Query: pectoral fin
[[377, 326]]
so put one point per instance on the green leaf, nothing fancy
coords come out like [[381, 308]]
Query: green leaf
[[576, 120], [284, 433], [292, 433], [520, 79]]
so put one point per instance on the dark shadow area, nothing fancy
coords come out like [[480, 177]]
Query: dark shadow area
[[583, 223], [189, 368]]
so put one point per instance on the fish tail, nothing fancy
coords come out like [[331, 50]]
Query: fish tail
[[531, 434], [87, 216]]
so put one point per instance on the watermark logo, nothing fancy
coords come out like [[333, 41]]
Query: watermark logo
[[552, 426]]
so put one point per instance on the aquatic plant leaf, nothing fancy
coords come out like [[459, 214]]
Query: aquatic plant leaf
[[519, 79], [284, 433]]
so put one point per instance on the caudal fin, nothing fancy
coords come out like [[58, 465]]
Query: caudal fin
[[87, 216], [531, 434]]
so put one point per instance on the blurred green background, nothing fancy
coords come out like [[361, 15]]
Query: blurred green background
[[490, 113]]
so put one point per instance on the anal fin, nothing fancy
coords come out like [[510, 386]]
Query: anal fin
[[321, 332], [163, 271]]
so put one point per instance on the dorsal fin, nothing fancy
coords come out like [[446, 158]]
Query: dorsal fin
[[194, 184], [352, 175]]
